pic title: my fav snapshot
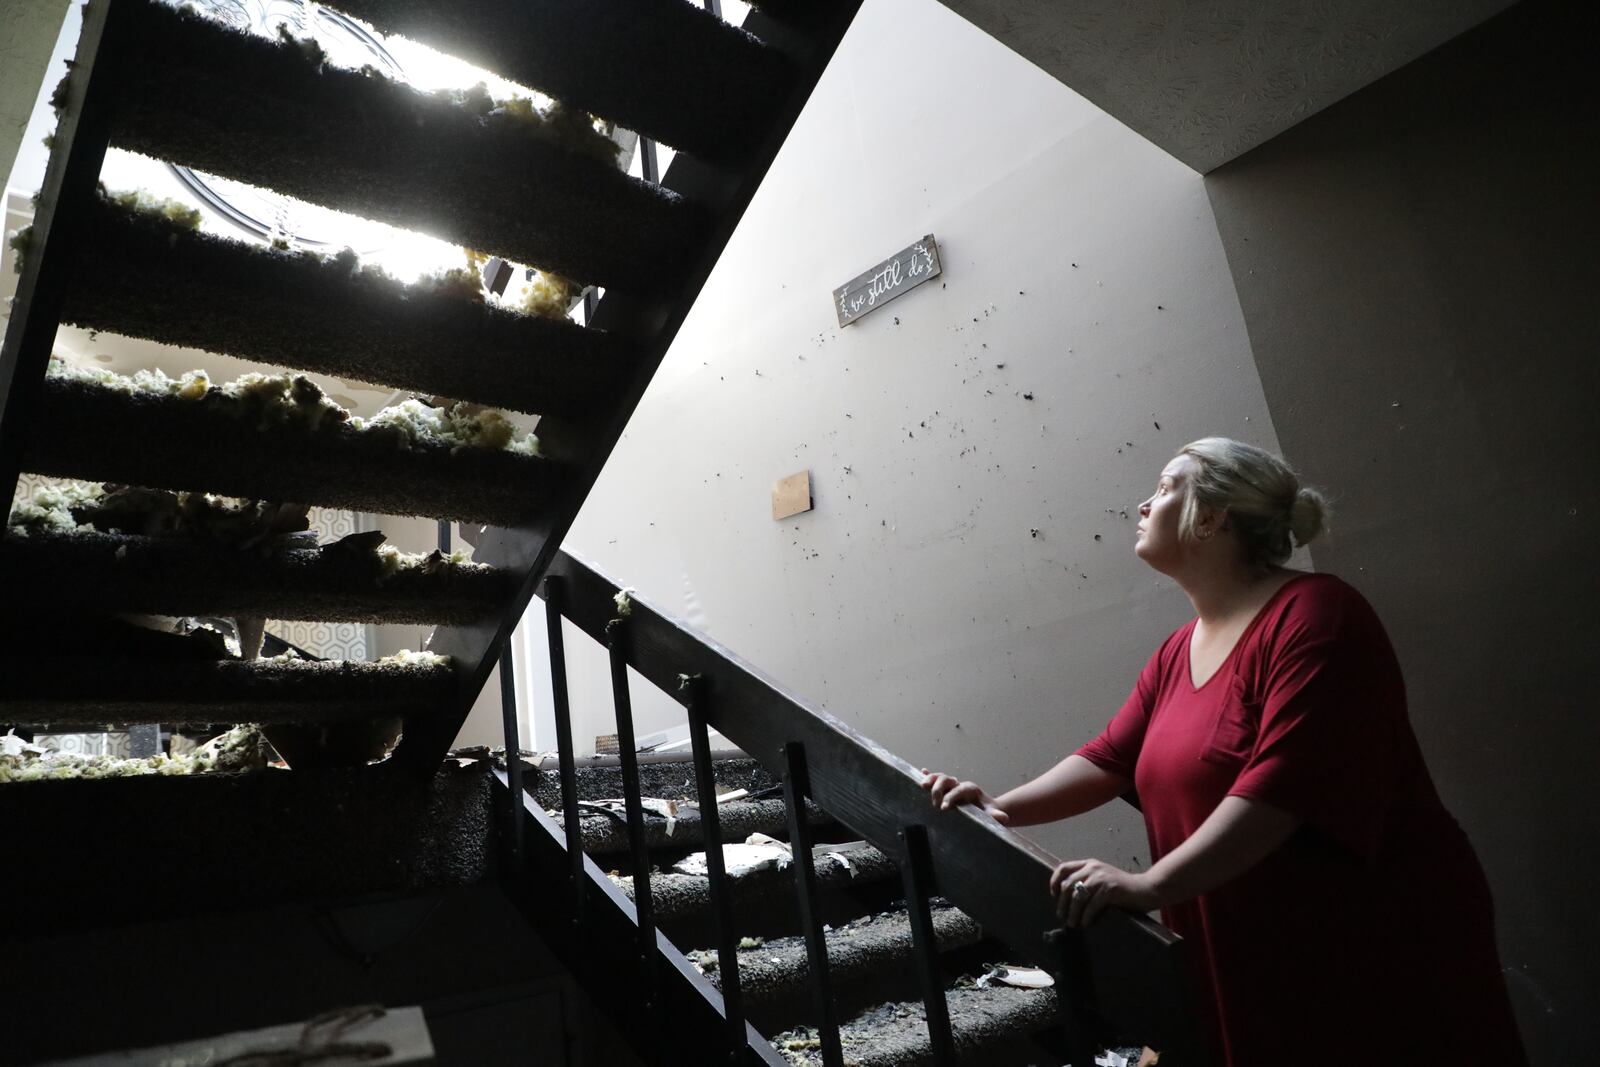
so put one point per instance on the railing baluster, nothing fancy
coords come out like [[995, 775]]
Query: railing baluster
[[716, 873], [917, 871], [1074, 992], [796, 787], [554, 591], [508, 715], [647, 160], [638, 847]]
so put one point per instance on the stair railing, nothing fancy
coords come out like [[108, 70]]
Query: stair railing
[[1122, 977]]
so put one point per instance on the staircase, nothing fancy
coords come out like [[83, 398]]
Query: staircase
[[180, 88]]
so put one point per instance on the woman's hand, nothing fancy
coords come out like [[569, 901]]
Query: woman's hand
[[1084, 888], [947, 792]]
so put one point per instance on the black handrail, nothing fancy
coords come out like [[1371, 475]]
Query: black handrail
[[1124, 975]]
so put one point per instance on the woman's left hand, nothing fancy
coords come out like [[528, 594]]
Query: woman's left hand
[[1084, 888]]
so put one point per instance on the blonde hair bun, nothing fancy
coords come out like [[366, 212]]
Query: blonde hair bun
[[1267, 507], [1307, 515]]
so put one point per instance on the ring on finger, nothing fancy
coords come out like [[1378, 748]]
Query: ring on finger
[[1079, 888]]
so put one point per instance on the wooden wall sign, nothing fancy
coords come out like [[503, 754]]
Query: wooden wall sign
[[895, 276], [791, 495]]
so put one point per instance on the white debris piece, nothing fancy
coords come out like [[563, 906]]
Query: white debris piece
[[1111, 1059], [734, 794], [624, 602], [839, 858], [1020, 977], [758, 853], [667, 809]]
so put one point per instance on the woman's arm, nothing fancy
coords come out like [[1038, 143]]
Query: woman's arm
[[1236, 836], [1071, 787]]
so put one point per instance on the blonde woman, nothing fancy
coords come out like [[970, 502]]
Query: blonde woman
[[1335, 912]]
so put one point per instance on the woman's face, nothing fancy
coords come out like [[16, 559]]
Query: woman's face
[[1158, 543]]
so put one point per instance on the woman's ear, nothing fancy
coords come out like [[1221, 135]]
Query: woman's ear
[[1208, 521]]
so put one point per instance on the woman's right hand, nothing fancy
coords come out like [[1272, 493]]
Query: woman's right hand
[[947, 792]]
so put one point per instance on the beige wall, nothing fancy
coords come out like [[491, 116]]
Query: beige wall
[[914, 602], [1417, 266], [28, 30]]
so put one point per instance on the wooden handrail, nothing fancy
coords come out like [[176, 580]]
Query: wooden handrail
[[1128, 966]]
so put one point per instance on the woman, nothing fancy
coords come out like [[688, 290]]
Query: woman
[[1335, 912]]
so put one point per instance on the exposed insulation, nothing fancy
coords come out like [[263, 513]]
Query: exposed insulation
[[141, 276], [268, 398], [239, 749], [288, 445], [225, 102], [91, 570], [669, 70], [70, 690]]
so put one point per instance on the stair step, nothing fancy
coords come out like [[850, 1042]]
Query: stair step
[[668, 70], [196, 93], [91, 570], [142, 275], [189, 845], [660, 775], [87, 690], [896, 1034], [217, 444], [682, 896], [737, 820], [778, 970]]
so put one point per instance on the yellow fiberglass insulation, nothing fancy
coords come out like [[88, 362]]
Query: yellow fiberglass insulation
[[270, 398]]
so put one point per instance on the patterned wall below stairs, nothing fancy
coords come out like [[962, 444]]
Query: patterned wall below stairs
[[330, 640], [326, 639]]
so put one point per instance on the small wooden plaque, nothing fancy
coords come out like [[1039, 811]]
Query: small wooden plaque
[[791, 495]]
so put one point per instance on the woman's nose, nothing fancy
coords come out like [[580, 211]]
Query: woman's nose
[[1144, 509]]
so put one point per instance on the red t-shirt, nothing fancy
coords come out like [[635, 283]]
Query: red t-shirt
[[1368, 936]]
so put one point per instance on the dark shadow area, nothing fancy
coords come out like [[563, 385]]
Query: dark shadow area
[[1417, 269]]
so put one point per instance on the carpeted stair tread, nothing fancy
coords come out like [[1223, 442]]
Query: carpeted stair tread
[[201, 843], [778, 969], [599, 777], [91, 570], [896, 1034], [664, 68], [88, 690], [202, 95], [141, 275], [678, 896], [737, 820], [89, 431]]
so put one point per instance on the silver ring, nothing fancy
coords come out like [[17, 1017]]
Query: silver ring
[[1079, 888]]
